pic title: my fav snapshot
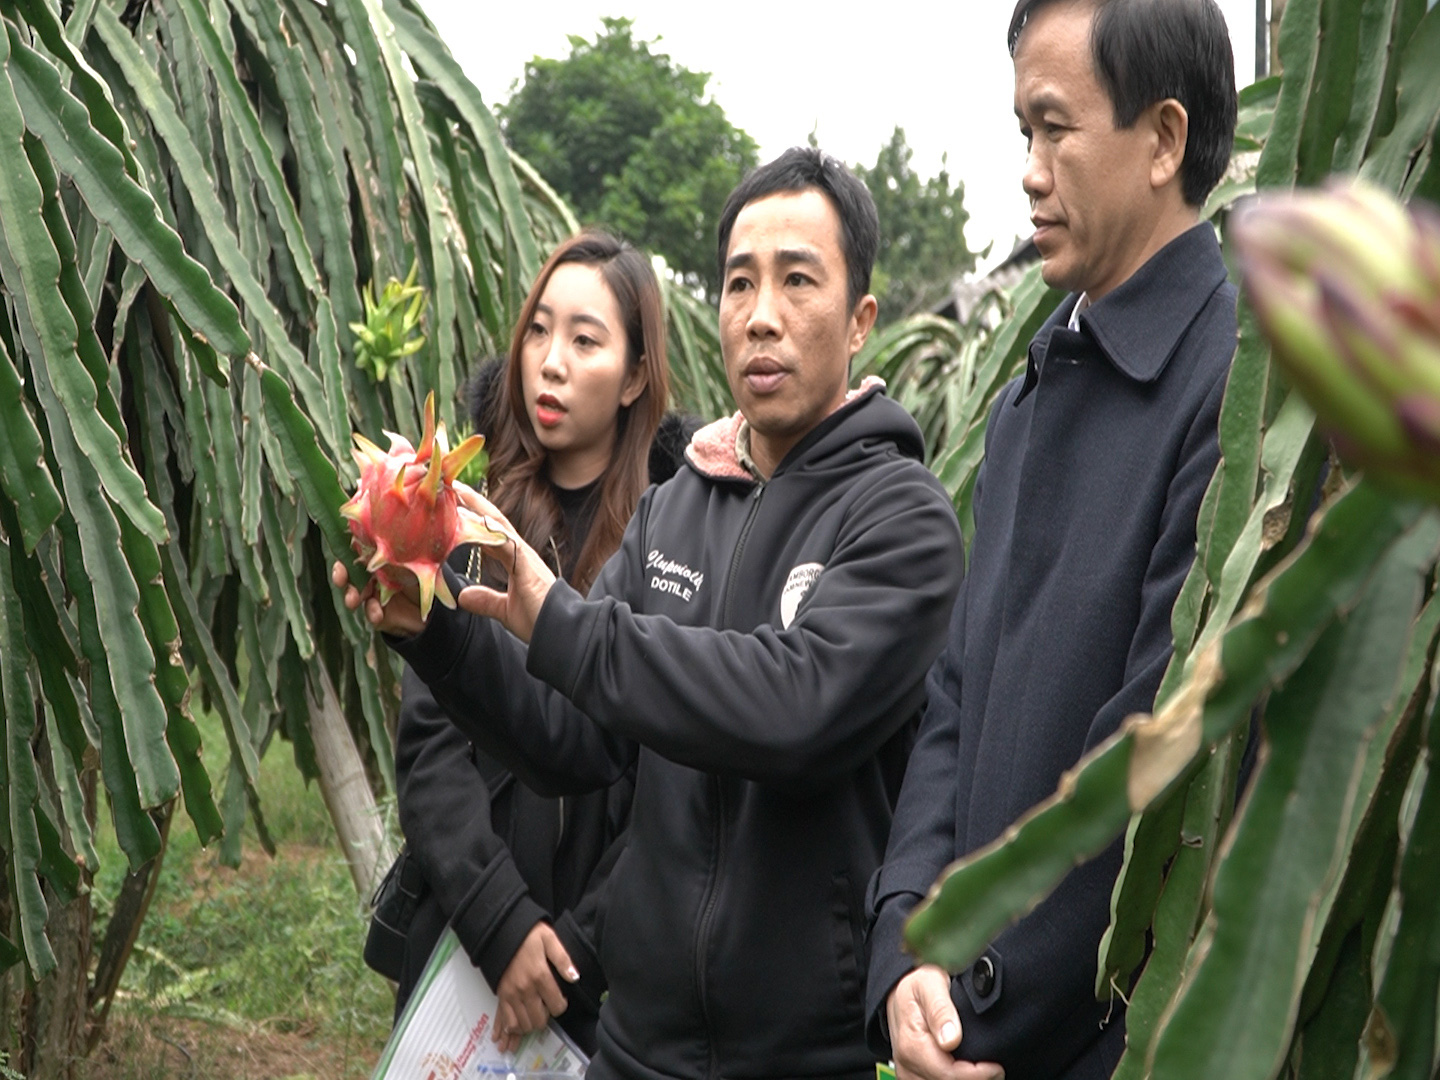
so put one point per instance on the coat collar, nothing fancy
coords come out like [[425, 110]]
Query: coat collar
[[1139, 324]]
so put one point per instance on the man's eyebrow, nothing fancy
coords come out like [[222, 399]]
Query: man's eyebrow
[[1042, 102], [785, 255], [740, 258], [798, 255]]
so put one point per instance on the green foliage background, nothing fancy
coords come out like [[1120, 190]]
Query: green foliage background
[[629, 138], [195, 193], [191, 185], [922, 232]]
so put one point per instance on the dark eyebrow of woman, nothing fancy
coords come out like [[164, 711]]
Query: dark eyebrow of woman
[[589, 320], [578, 317]]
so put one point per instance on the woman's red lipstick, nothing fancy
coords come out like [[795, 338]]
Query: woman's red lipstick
[[548, 410]]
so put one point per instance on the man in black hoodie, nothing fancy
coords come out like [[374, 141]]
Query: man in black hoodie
[[757, 646]]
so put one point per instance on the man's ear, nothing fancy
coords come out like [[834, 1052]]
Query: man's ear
[[635, 383], [862, 321], [1171, 124]]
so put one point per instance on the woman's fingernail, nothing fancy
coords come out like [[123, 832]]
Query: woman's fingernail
[[572, 974], [947, 1031]]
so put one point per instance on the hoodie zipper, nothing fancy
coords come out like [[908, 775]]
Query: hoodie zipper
[[712, 885], [740, 551], [707, 917]]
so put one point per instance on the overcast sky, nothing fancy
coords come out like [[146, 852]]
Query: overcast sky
[[781, 70]]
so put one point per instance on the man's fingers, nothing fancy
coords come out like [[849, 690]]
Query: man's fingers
[[482, 600], [340, 578], [378, 617], [943, 1022], [932, 1063], [400, 615], [917, 1054], [929, 989], [477, 504], [925, 1030], [473, 500]]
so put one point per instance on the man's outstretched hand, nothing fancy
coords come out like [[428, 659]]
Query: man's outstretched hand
[[516, 608], [529, 579], [400, 615], [925, 1030]]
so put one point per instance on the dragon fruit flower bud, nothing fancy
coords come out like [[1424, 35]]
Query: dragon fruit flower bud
[[406, 515], [1345, 282]]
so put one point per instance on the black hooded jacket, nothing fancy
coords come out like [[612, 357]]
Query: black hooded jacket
[[497, 857], [758, 648]]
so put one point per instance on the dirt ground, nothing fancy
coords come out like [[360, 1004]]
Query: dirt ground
[[165, 1048]]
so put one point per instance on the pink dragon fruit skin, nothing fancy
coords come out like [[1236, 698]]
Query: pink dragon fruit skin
[[406, 514]]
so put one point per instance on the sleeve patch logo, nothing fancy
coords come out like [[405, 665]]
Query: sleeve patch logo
[[797, 587]]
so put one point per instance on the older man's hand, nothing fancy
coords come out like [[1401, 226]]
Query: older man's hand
[[925, 1030]]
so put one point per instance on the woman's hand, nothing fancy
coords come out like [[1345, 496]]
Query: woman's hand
[[530, 579], [528, 992], [400, 615]]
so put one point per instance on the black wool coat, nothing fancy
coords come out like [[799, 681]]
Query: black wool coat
[[1096, 463]]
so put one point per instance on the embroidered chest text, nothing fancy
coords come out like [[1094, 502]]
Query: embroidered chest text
[[675, 578]]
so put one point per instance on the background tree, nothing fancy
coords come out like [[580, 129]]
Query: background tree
[[629, 138], [922, 231]]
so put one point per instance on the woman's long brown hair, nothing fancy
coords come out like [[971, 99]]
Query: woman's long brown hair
[[520, 485]]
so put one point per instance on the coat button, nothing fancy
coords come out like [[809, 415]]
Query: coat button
[[982, 976]]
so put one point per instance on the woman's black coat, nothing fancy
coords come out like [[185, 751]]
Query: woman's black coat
[[497, 858]]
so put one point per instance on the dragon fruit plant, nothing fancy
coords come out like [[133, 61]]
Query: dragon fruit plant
[[406, 515], [1345, 281]]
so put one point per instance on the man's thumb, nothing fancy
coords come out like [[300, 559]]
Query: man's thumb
[[558, 957], [482, 600], [944, 1022]]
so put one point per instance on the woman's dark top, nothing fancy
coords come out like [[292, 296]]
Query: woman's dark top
[[498, 858]]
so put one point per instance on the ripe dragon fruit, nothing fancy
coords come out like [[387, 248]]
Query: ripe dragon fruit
[[406, 513]]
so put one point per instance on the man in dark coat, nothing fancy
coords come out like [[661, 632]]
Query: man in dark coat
[[1096, 463]]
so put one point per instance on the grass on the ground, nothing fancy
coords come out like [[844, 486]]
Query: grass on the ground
[[249, 974]]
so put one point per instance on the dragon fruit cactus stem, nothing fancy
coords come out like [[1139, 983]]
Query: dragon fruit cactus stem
[[406, 513]]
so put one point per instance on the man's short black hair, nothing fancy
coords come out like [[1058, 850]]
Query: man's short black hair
[[1149, 50], [799, 169]]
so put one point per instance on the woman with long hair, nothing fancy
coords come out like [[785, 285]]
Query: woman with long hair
[[576, 429]]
